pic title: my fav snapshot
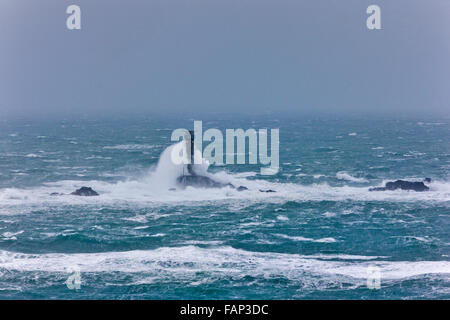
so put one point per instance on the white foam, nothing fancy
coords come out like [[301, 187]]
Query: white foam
[[11, 235], [342, 175], [187, 261], [138, 218], [130, 147], [156, 186], [245, 174], [98, 157], [155, 191], [157, 235], [298, 238], [32, 155], [329, 214]]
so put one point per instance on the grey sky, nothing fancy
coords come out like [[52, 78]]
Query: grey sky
[[224, 55]]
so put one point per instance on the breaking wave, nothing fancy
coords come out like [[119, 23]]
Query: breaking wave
[[189, 260], [345, 176], [158, 185]]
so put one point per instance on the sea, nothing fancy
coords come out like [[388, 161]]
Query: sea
[[321, 235]]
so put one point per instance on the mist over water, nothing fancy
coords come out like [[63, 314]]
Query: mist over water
[[224, 56]]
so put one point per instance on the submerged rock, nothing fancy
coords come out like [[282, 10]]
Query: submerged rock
[[198, 181], [268, 190], [85, 192], [378, 189], [403, 185]]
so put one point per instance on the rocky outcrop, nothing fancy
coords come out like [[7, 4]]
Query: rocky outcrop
[[85, 192], [403, 185], [198, 181]]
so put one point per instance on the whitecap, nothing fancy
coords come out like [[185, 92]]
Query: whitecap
[[11, 235], [342, 175], [130, 147], [186, 262], [299, 238], [33, 155], [329, 214]]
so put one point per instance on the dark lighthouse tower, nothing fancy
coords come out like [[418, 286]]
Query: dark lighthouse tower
[[193, 179], [190, 151]]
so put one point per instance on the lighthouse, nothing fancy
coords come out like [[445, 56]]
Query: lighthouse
[[190, 150]]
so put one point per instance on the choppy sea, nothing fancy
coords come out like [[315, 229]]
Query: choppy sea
[[321, 235]]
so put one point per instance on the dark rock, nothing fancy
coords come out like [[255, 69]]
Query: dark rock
[[427, 180], [198, 181], [403, 185], [406, 185], [268, 190], [56, 194], [201, 182], [85, 192]]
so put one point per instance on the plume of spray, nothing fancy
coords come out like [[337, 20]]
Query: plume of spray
[[169, 169]]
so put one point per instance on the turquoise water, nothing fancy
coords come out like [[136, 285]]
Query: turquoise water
[[314, 238]]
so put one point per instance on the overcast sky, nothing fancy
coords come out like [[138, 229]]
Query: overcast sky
[[161, 56]]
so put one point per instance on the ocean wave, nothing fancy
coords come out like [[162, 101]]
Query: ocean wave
[[130, 147], [222, 261], [33, 155], [158, 185], [11, 235], [342, 175], [148, 191], [298, 238]]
